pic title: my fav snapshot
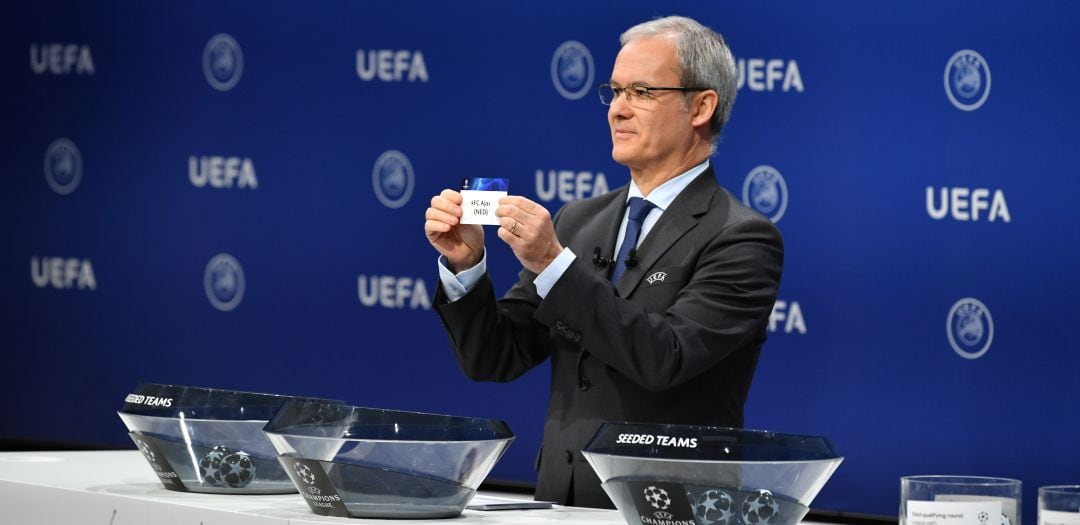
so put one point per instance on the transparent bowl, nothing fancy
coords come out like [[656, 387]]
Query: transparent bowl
[[374, 463], [709, 475], [206, 439]]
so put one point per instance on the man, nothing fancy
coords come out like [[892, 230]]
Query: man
[[676, 338]]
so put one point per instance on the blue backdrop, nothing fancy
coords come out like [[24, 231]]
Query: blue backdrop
[[232, 195]]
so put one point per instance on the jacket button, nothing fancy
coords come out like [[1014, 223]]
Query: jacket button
[[584, 384], [569, 457]]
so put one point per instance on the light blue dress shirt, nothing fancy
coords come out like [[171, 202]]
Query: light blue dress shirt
[[457, 285]]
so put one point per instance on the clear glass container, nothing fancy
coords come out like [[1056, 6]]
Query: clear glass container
[[368, 462], [710, 475], [206, 439]]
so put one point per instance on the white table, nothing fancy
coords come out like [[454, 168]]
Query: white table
[[119, 488]]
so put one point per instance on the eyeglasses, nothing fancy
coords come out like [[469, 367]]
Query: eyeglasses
[[641, 97]]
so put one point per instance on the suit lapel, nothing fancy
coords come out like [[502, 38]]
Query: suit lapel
[[601, 231], [681, 217]]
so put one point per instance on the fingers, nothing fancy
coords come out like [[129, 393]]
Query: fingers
[[435, 227], [528, 230], [508, 238], [452, 196], [436, 214], [524, 204], [512, 226], [448, 201], [443, 214], [522, 209]]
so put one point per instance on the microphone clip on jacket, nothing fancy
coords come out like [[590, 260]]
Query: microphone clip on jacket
[[600, 261]]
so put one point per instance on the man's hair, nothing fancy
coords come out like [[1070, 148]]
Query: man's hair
[[704, 61]]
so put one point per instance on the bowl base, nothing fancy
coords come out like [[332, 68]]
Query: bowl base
[[661, 502], [180, 467]]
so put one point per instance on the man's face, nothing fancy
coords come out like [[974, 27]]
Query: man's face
[[656, 134]]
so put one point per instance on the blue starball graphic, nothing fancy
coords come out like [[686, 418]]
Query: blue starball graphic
[[572, 70], [224, 282], [967, 80], [223, 62], [970, 328], [765, 191], [486, 184], [63, 166]]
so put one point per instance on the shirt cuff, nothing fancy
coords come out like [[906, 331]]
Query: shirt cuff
[[457, 285], [547, 278]]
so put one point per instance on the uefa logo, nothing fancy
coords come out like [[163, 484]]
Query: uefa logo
[[393, 179], [63, 166], [967, 80], [223, 62], [765, 191], [572, 70], [224, 282], [970, 328]]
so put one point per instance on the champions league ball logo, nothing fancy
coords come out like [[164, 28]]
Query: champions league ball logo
[[223, 281], [658, 498], [967, 80], [63, 166], [765, 191], [222, 467], [393, 179], [970, 328], [760, 508], [223, 62], [147, 452], [572, 70], [714, 507], [305, 473]]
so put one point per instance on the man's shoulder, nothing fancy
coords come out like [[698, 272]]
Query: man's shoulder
[[729, 212]]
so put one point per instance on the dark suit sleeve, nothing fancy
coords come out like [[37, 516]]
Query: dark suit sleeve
[[495, 340], [722, 308]]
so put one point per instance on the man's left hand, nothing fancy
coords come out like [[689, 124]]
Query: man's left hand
[[526, 226]]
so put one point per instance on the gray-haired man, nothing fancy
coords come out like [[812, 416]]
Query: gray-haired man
[[651, 301]]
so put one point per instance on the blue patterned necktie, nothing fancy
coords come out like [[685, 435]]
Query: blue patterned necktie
[[639, 208]]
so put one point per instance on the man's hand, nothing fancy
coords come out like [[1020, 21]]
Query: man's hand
[[462, 244], [526, 226]]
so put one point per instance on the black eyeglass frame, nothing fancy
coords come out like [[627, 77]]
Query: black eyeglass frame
[[600, 90]]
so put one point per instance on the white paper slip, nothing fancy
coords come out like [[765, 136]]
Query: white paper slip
[[1057, 517], [480, 196], [954, 513]]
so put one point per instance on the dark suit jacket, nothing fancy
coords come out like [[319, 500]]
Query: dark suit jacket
[[680, 348]]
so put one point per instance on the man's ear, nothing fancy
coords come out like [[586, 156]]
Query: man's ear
[[702, 107]]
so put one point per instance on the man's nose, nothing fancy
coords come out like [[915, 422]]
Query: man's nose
[[620, 107]]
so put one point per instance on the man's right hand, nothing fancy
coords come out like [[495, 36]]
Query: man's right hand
[[462, 244]]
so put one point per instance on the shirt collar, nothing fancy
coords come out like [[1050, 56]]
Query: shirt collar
[[663, 195]]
